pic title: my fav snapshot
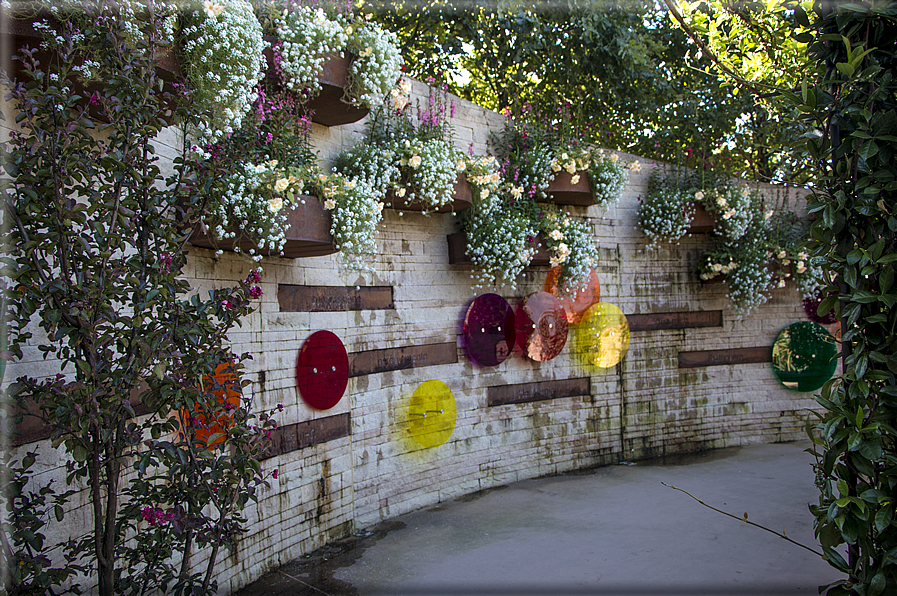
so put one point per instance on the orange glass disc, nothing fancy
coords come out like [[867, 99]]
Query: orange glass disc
[[541, 326], [575, 303], [208, 419]]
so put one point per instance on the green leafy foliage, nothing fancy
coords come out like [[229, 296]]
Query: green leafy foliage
[[854, 110], [633, 79]]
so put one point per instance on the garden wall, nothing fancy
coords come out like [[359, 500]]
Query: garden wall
[[349, 467]]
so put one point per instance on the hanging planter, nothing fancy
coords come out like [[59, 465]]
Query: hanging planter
[[457, 249], [564, 191], [308, 234], [462, 199], [703, 221], [327, 107], [20, 32], [778, 271]]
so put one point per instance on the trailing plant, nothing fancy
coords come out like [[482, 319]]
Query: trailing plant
[[666, 213], [356, 207], [570, 242], [749, 283], [854, 109], [221, 46], [267, 168], [94, 257], [788, 239], [415, 157], [506, 224], [500, 232], [608, 175], [525, 157], [309, 36], [732, 205], [742, 252]]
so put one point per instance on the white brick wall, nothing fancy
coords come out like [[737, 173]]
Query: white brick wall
[[644, 407]]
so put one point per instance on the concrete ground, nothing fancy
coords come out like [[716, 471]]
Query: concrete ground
[[608, 530]]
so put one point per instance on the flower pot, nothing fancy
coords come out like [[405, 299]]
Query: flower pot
[[327, 107], [778, 272], [462, 199], [308, 234], [703, 222], [457, 249], [20, 32], [563, 191]]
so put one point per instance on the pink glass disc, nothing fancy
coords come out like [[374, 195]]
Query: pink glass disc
[[541, 325], [322, 371], [489, 330], [577, 301]]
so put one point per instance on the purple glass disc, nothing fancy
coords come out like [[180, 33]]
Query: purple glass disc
[[489, 330], [322, 370], [541, 326]]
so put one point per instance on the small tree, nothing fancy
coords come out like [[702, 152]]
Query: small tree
[[94, 255]]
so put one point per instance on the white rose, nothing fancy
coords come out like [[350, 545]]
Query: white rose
[[329, 204], [281, 185], [414, 162], [275, 204]]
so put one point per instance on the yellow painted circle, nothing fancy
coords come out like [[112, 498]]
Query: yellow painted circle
[[432, 413], [605, 335]]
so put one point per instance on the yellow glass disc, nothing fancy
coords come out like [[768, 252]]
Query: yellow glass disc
[[604, 333], [432, 413]]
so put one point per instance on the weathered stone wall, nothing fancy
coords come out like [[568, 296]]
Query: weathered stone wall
[[370, 468]]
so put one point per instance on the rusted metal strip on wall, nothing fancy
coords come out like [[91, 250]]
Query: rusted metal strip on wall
[[377, 361], [32, 429], [294, 298], [675, 320], [300, 435], [544, 390], [724, 357]]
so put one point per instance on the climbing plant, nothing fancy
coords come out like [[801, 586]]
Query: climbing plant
[[851, 118], [846, 103]]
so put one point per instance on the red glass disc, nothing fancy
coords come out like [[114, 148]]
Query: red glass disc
[[322, 370], [577, 302], [541, 326], [489, 330]]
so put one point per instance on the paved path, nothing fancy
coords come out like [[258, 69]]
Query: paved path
[[610, 530]]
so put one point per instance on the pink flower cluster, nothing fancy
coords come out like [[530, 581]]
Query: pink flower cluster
[[156, 516], [252, 279]]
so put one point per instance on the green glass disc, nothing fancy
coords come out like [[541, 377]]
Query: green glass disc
[[804, 356]]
